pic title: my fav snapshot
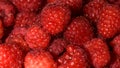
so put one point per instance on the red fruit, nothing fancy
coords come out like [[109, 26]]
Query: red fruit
[[75, 5], [36, 37], [92, 9], [115, 43], [25, 19], [109, 21], [1, 29], [57, 47], [7, 12], [55, 17], [27, 5], [39, 59], [79, 31], [115, 64], [74, 57], [11, 56], [98, 52]]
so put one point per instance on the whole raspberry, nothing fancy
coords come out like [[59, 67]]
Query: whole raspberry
[[36, 37], [55, 17]]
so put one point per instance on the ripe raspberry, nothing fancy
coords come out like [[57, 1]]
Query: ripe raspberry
[[108, 23], [79, 31], [92, 9], [74, 57], [57, 47], [11, 56], [27, 5], [36, 37], [55, 17], [24, 19], [39, 59], [98, 52], [7, 12]]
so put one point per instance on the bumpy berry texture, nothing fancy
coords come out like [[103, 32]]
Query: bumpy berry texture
[[39, 59], [57, 47], [108, 23], [59, 33], [7, 12], [98, 52], [74, 57], [79, 31], [27, 5], [36, 37], [55, 17], [92, 9], [25, 19], [11, 56], [115, 43]]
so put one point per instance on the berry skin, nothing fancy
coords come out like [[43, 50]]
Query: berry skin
[[115, 43], [108, 24], [39, 59], [36, 37], [98, 52], [11, 56], [74, 57], [55, 17], [1, 29], [92, 9], [57, 47], [7, 12], [24, 19], [79, 31], [27, 5]]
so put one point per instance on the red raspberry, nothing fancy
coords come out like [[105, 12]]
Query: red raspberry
[[39, 59], [57, 47], [11, 56], [74, 57], [54, 18], [92, 9], [98, 52], [25, 19], [108, 23], [79, 31], [36, 37]]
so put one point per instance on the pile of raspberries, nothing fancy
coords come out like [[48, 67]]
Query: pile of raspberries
[[59, 33]]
